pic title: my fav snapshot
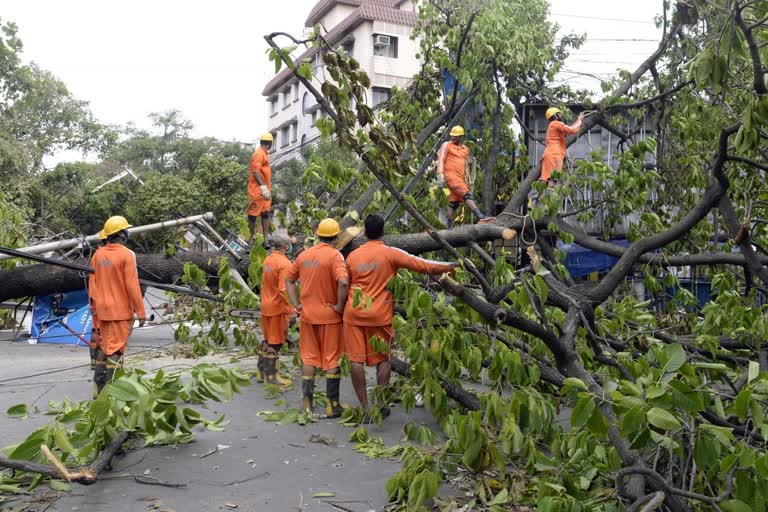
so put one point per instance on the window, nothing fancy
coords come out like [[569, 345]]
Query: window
[[385, 46], [317, 61], [273, 105], [286, 97], [295, 132], [348, 47], [295, 92], [285, 135], [314, 117], [380, 95]]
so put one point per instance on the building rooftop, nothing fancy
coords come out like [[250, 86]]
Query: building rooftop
[[385, 11]]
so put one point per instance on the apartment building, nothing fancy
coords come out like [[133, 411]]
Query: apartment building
[[377, 33]]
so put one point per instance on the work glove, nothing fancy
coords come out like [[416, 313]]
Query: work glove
[[265, 192], [441, 180]]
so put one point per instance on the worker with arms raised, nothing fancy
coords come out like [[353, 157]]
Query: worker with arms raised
[[276, 311], [324, 286], [556, 150], [371, 267], [114, 289], [260, 189], [451, 171]]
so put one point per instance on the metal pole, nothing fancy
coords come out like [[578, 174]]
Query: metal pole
[[73, 242], [207, 227], [13, 253]]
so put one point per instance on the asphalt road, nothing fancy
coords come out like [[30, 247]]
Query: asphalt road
[[277, 467]]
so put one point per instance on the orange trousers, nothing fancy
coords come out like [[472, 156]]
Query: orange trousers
[[357, 343], [320, 345]]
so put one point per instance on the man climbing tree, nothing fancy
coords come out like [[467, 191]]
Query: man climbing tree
[[451, 171], [276, 311], [371, 267], [260, 189], [556, 150], [324, 286], [115, 292]]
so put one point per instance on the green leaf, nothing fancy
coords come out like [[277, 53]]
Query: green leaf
[[324, 495], [754, 370], [58, 485], [675, 358], [663, 419], [122, 390], [17, 411], [582, 412], [423, 487], [735, 506], [574, 382], [741, 404], [500, 499], [305, 71]]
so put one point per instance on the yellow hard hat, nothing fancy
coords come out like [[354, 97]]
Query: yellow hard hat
[[457, 131], [114, 225], [328, 228], [266, 137], [102, 235], [551, 111]]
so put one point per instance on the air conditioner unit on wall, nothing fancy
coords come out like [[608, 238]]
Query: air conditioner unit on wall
[[380, 40]]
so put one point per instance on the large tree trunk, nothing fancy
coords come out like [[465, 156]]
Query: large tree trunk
[[43, 279]]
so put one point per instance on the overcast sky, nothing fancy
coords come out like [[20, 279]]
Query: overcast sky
[[207, 59]]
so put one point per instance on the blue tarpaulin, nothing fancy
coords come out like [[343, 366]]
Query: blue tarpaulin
[[52, 312], [581, 261]]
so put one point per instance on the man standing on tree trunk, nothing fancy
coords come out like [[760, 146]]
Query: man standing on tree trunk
[[276, 311], [451, 171], [116, 295], [260, 189], [324, 286], [371, 267], [556, 149]]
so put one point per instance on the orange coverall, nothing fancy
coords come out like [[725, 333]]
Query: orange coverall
[[319, 269], [451, 162], [257, 205], [115, 292], [555, 151], [275, 308], [371, 267]]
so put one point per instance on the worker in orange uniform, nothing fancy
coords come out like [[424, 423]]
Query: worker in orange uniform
[[260, 189], [114, 288], [95, 333], [556, 150], [324, 286], [451, 171], [371, 267], [276, 311]]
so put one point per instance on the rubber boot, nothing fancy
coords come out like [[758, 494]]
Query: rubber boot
[[333, 409], [269, 368], [283, 381], [308, 394], [260, 368]]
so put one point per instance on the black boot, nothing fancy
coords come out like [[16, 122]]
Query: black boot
[[332, 386], [308, 394], [270, 368]]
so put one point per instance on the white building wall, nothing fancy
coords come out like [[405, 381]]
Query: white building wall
[[336, 15]]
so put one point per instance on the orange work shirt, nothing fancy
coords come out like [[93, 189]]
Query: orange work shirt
[[319, 269], [274, 302], [114, 284], [260, 164], [556, 132], [452, 160], [371, 266]]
